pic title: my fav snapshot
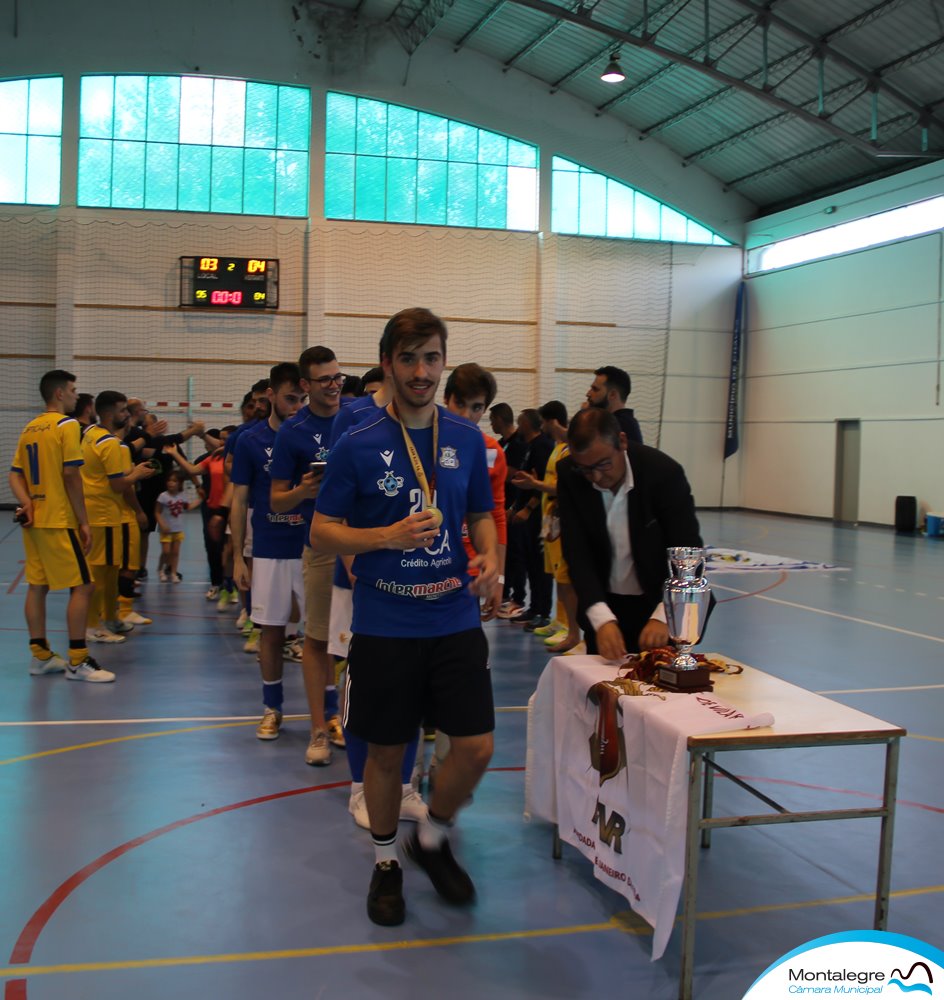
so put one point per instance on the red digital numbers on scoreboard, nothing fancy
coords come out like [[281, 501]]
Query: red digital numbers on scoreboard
[[228, 282]]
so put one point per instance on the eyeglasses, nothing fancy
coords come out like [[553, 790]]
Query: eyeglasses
[[327, 380], [588, 470]]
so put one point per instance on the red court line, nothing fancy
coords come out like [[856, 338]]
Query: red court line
[[17, 578], [740, 597]]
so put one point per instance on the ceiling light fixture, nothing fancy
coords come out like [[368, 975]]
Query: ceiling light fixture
[[613, 72]]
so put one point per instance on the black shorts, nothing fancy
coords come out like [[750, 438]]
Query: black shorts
[[395, 684]]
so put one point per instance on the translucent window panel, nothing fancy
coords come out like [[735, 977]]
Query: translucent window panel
[[13, 172], [463, 142], [559, 163], [130, 107], [371, 128], [592, 220], [619, 210], [433, 139], [431, 192], [462, 192], [294, 118], [14, 106], [94, 186], [127, 175], [401, 131], [520, 154], [646, 217], [522, 198], [193, 171], [493, 148], [341, 124], [401, 190], [720, 241], [43, 156], [160, 175], [492, 197], [697, 233], [262, 115], [674, 225], [163, 114], [229, 112], [259, 182], [45, 106], [291, 182], [565, 205], [226, 180], [96, 107], [369, 188], [339, 186], [196, 110]]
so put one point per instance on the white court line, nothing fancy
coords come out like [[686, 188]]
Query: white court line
[[914, 687], [831, 614]]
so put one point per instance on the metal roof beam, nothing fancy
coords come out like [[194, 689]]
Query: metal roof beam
[[764, 96], [479, 24], [413, 21], [534, 43]]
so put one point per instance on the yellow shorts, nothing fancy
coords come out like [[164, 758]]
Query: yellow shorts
[[130, 535], [54, 558], [108, 544], [554, 561], [318, 575], [173, 536]]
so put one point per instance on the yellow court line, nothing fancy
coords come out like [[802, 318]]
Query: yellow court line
[[626, 922], [118, 739], [932, 739]]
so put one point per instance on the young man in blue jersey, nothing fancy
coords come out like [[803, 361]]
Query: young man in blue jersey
[[396, 492], [277, 541], [301, 441]]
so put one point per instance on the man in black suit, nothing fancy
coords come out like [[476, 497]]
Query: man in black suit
[[621, 506]]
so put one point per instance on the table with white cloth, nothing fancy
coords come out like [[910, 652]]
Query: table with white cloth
[[628, 780]]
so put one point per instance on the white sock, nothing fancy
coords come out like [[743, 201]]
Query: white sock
[[432, 832]]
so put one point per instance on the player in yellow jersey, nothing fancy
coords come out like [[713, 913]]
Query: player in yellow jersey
[[46, 480], [106, 481]]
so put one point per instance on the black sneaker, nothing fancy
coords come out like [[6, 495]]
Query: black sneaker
[[449, 879], [141, 574], [537, 622], [385, 904]]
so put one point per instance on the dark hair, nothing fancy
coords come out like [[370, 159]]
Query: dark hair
[[283, 373], [590, 424], [352, 386], [83, 401], [616, 379], [247, 400], [314, 356], [532, 417], [503, 413], [467, 381], [105, 402], [214, 432], [175, 474], [229, 428], [372, 375], [58, 378], [554, 410], [259, 386], [411, 325]]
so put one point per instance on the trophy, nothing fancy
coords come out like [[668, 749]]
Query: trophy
[[686, 597]]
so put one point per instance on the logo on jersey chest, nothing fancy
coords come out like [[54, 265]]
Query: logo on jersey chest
[[448, 458], [387, 456], [391, 484]]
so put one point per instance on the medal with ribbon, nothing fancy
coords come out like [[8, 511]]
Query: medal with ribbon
[[428, 486]]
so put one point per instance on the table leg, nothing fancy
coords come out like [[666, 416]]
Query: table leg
[[707, 802], [890, 791], [690, 884], [556, 846]]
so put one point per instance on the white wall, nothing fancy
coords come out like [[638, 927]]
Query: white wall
[[851, 338]]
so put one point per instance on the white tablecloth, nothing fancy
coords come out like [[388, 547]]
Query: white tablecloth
[[632, 826]]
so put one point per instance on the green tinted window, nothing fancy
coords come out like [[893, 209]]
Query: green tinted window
[[387, 163], [587, 203], [192, 144], [30, 140]]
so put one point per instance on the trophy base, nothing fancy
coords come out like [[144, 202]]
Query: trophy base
[[687, 681]]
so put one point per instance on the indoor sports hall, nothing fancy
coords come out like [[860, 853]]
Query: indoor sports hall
[[741, 205]]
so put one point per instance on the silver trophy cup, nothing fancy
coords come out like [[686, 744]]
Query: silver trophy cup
[[686, 597]]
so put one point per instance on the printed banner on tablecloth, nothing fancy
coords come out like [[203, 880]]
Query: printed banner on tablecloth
[[611, 770], [719, 560]]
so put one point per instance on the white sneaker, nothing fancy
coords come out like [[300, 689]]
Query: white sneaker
[[241, 618], [163, 576], [318, 753], [89, 670], [133, 618], [212, 594], [54, 665], [234, 596], [101, 634], [412, 807], [118, 627], [357, 807]]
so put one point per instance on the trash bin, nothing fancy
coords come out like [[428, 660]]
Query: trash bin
[[906, 515]]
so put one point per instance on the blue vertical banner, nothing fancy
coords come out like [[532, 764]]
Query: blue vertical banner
[[731, 441]]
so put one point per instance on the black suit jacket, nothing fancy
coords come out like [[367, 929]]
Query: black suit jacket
[[661, 513]]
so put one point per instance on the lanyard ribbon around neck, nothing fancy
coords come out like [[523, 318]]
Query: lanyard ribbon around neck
[[428, 486]]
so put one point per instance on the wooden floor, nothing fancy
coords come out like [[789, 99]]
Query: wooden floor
[[152, 848]]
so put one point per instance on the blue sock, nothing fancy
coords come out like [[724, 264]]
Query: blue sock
[[409, 759], [356, 755], [272, 695], [331, 704]]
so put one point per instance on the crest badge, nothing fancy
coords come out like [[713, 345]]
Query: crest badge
[[391, 484], [448, 458]]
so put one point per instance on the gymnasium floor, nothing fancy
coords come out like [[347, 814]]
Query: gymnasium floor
[[151, 847]]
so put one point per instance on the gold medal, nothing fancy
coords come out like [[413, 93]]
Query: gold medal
[[437, 515], [428, 486]]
